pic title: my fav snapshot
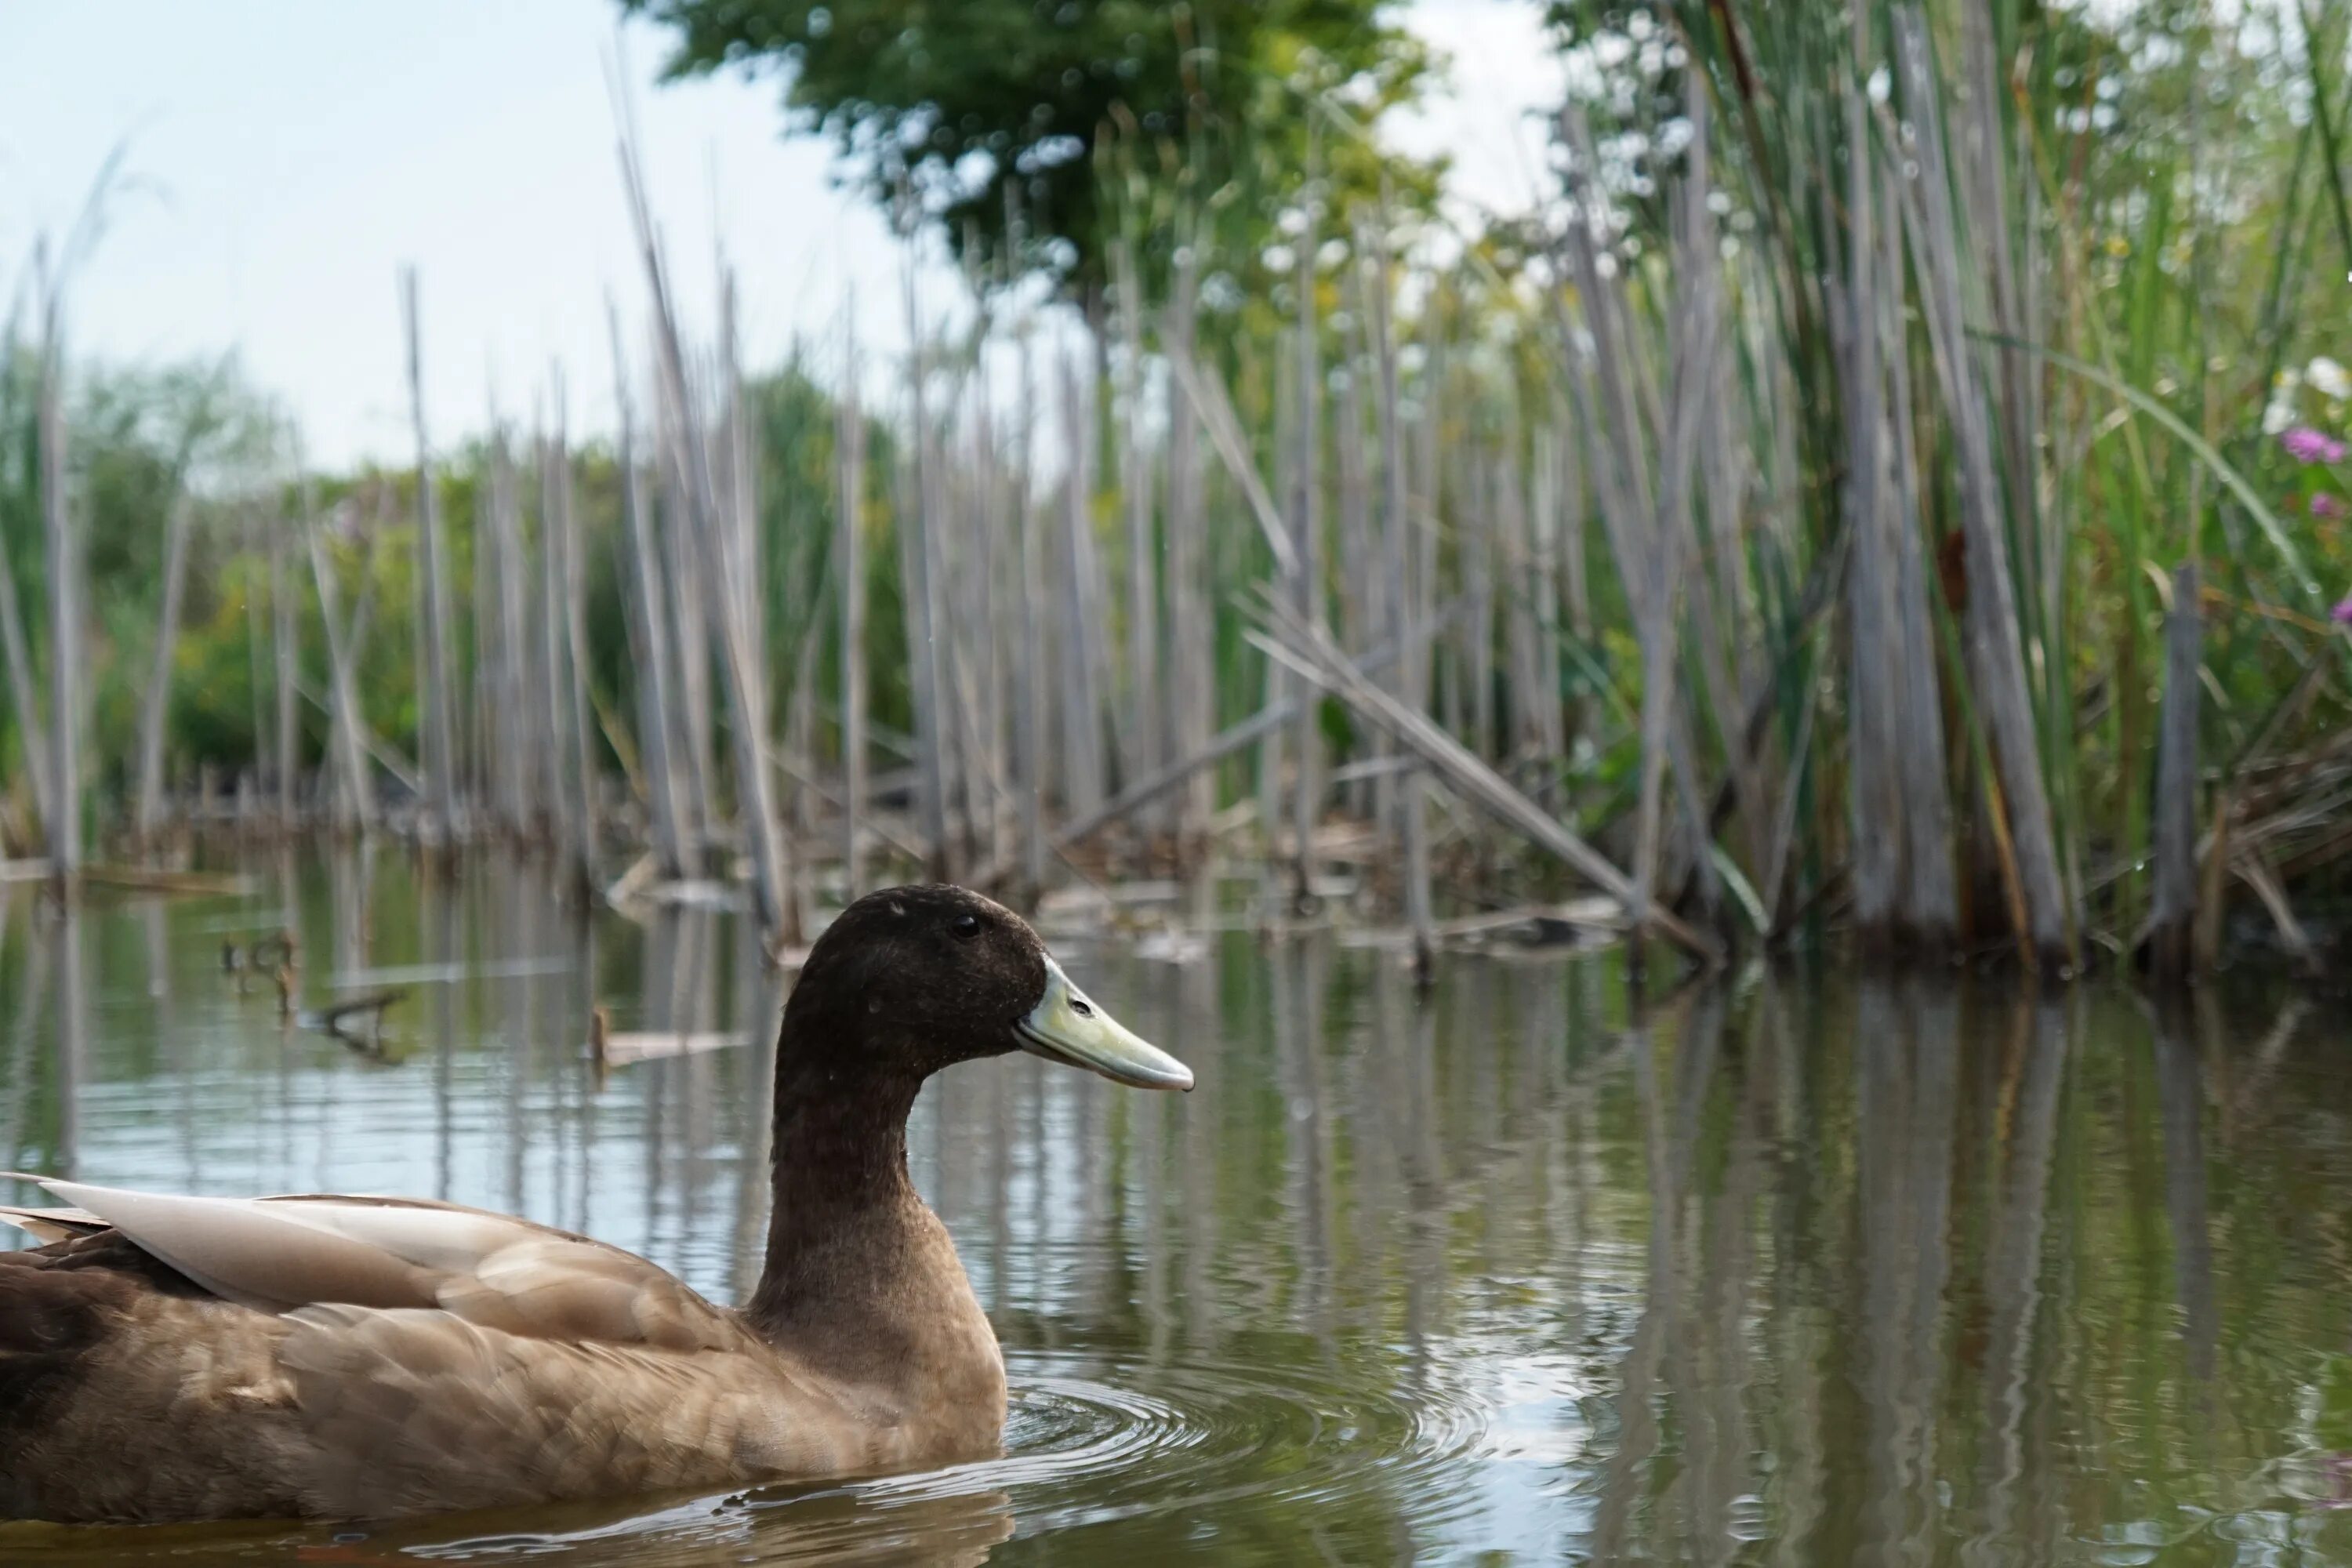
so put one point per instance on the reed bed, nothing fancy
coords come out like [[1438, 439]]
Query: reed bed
[[1846, 508]]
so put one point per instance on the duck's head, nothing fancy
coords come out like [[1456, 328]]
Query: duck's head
[[910, 980]]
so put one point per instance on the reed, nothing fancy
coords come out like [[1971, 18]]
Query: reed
[[1774, 538], [438, 737]]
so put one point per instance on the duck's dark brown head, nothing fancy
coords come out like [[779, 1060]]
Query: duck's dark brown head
[[910, 980]]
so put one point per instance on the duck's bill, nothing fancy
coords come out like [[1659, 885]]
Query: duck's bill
[[1066, 1027]]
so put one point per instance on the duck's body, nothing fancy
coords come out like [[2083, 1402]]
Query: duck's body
[[180, 1359]]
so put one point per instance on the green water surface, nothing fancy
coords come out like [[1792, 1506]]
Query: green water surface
[[1795, 1269]]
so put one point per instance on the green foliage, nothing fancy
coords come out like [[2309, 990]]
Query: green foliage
[[993, 113]]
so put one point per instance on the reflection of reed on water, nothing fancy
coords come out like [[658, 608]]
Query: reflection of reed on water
[[1858, 1270]]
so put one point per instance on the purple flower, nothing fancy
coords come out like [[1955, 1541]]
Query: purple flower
[[2327, 505], [2306, 445], [2342, 613]]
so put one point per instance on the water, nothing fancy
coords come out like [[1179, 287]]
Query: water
[[1801, 1271]]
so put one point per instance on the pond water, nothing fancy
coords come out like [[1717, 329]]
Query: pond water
[[1803, 1268]]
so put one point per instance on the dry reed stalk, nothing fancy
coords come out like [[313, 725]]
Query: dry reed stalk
[[256, 641], [1475, 555], [849, 478], [440, 804], [354, 786], [1503, 495], [63, 827], [1646, 534], [1873, 793], [969, 579], [283, 648], [154, 701], [1305, 575], [1138, 734], [484, 719], [1082, 738], [1930, 901], [1574, 555], [519, 764], [1030, 709], [1996, 656], [1398, 563], [740, 662], [2173, 918], [690, 632], [19, 654], [642, 598], [732, 544], [1191, 676], [916, 520], [1543, 514], [552, 699], [579, 777]]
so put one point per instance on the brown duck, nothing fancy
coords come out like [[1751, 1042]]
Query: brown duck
[[179, 1358]]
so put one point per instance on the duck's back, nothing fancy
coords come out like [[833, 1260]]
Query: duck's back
[[131, 1391]]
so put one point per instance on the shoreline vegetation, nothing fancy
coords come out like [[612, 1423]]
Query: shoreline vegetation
[[1884, 495]]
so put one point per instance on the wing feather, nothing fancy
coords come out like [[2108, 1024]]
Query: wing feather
[[53, 1225], [278, 1254]]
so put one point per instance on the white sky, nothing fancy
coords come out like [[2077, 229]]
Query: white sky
[[286, 158]]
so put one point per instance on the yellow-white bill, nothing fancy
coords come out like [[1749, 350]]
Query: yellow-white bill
[[1066, 1027]]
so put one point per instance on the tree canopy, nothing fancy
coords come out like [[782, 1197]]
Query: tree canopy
[[995, 116]]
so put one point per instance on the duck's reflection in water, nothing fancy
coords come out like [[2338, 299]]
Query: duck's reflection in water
[[951, 1518]]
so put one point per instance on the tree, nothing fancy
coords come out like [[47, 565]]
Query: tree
[[994, 116]]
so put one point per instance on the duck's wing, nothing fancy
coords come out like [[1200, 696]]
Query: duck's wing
[[189, 1357], [280, 1254], [52, 1225]]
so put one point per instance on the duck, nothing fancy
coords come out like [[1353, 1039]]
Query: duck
[[167, 1358]]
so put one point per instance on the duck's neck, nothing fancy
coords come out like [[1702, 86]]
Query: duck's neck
[[861, 1278], [842, 1201]]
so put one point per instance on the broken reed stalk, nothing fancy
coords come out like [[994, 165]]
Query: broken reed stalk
[[1267, 721], [1312, 652]]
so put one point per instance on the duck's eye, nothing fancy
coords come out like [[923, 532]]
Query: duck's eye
[[965, 925]]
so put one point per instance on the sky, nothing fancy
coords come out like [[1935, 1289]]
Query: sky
[[282, 161]]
